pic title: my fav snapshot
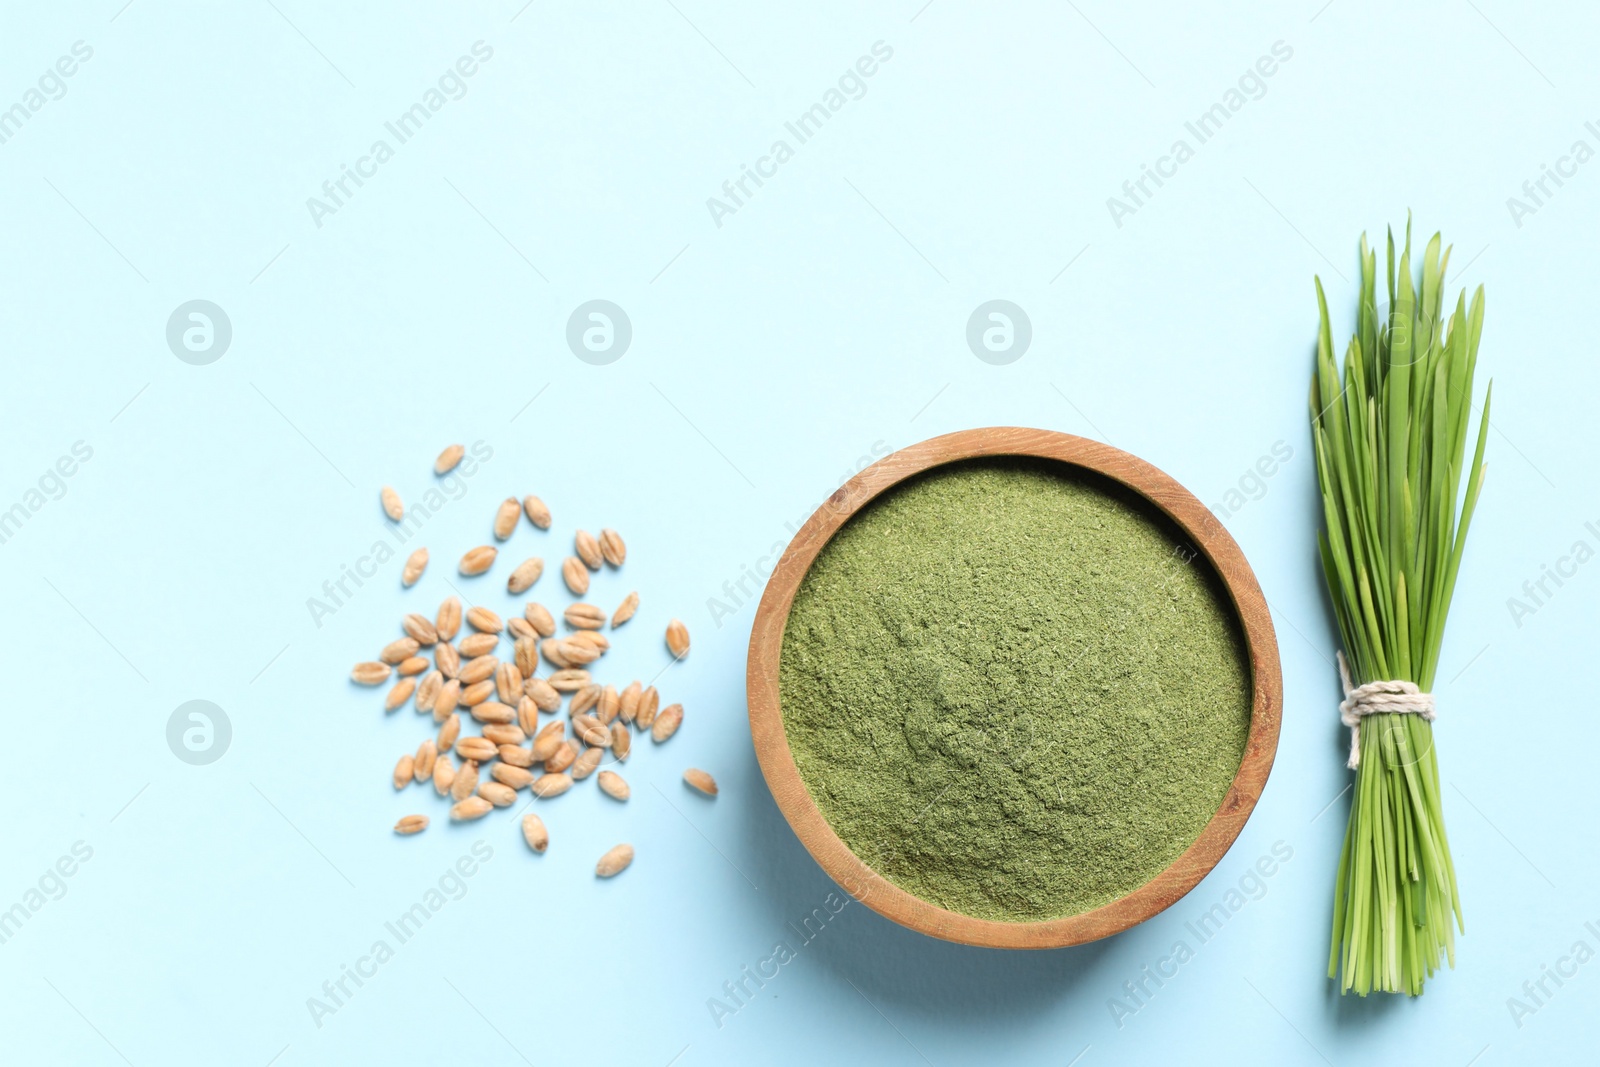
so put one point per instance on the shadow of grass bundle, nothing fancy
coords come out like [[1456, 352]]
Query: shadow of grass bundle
[[1390, 434]]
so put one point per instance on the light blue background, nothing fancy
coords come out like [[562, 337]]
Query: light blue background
[[770, 355]]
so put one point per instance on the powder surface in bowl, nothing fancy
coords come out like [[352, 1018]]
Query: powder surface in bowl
[[1013, 688]]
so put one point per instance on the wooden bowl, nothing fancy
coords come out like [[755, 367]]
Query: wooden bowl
[[888, 899]]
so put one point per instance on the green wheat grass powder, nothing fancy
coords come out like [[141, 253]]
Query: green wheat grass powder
[[1014, 689]]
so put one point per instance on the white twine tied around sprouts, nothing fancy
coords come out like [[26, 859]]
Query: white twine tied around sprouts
[[1378, 698]]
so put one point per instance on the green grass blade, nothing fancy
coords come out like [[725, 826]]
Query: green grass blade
[[1390, 433]]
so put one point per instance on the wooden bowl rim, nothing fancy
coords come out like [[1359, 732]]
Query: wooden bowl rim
[[877, 892]]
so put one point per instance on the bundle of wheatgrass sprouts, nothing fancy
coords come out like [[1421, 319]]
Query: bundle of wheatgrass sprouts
[[1390, 435]]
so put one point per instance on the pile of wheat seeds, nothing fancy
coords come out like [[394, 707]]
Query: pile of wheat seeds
[[504, 698]]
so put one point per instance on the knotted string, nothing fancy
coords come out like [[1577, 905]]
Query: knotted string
[[1378, 698]]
